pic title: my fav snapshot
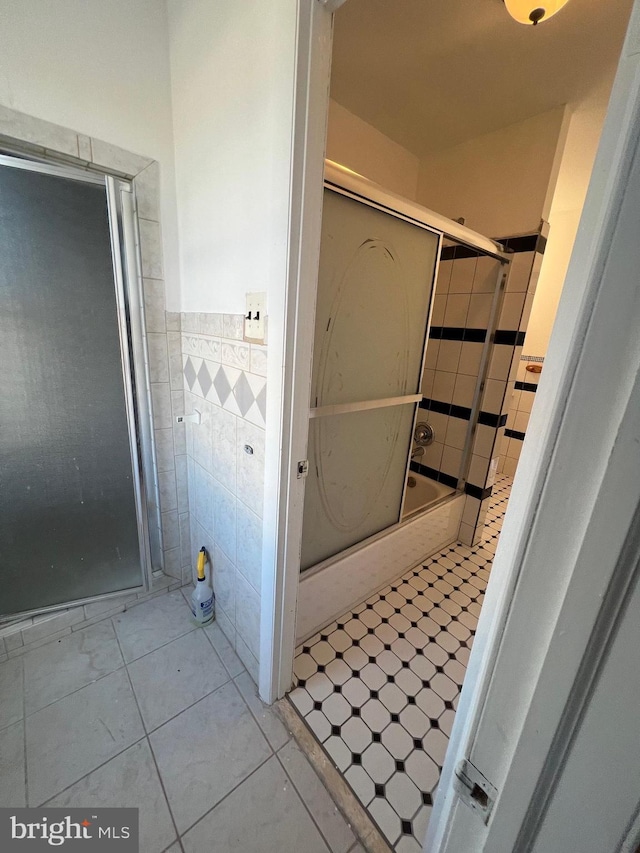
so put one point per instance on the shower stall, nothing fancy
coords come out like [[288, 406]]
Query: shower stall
[[377, 502], [79, 517]]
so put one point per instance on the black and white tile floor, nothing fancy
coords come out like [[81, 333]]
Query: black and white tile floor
[[379, 687]]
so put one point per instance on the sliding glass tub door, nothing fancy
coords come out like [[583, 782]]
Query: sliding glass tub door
[[374, 292], [71, 510]]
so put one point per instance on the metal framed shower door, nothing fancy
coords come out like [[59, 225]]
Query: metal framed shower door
[[134, 363], [345, 183]]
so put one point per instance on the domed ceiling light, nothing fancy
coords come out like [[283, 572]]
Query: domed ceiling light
[[530, 12]]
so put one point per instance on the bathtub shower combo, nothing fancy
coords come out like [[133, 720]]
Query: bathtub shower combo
[[377, 498]]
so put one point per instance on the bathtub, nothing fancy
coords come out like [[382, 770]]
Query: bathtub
[[336, 585], [421, 493]]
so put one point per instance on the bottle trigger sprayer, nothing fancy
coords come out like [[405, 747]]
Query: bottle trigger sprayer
[[202, 596]]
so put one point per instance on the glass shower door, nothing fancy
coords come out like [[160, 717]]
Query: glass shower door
[[374, 292], [70, 519]]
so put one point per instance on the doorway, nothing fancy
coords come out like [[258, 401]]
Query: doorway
[[334, 701], [75, 463]]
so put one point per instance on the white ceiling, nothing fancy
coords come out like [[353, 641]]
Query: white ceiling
[[432, 73]]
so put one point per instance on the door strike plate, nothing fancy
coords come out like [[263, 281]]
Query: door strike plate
[[474, 789], [303, 469]]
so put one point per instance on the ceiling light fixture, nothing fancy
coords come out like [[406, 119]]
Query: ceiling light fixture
[[530, 12]]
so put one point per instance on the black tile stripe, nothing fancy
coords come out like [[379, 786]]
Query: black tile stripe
[[458, 333], [450, 409], [526, 386], [526, 243], [489, 419], [477, 492], [433, 474], [454, 253], [509, 337], [512, 433]]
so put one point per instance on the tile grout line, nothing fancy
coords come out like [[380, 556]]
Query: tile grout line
[[303, 801], [153, 755], [24, 735], [106, 675]]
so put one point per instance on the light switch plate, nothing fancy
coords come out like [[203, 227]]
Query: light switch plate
[[254, 317]]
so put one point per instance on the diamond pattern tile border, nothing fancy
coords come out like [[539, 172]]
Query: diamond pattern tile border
[[379, 687]]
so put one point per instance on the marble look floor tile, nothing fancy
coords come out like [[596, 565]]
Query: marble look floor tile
[[206, 751], [12, 769], [175, 676], [11, 696], [77, 660], [270, 724], [72, 737], [263, 814], [224, 649], [130, 779], [316, 798], [153, 624]]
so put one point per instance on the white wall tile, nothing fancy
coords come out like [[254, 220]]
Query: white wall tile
[[500, 362], [479, 310], [493, 396], [224, 520], [470, 357], [250, 467], [443, 385], [456, 311], [439, 306], [247, 603], [161, 404], [147, 185], [456, 433], [150, 249], [449, 356], [511, 311], [154, 311], [486, 276], [462, 275], [451, 461], [158, 359], [464, 390]]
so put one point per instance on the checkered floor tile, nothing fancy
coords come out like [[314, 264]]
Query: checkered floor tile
[[379, 687]]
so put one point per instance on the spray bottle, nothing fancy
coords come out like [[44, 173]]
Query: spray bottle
[[202, 596]]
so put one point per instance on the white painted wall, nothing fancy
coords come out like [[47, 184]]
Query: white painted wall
[[497, 182], [359, 146], [232, 69], [100, 68], [585, 126]]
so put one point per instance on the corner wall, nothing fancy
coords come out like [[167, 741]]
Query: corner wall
[[233, 82], [583, 135], [359, 146], [103, 70], [498, 182]]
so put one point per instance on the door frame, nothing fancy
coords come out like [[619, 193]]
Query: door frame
[[570, 345]]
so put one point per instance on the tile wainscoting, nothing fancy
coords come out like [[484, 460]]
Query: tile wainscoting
[[225, 381]]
